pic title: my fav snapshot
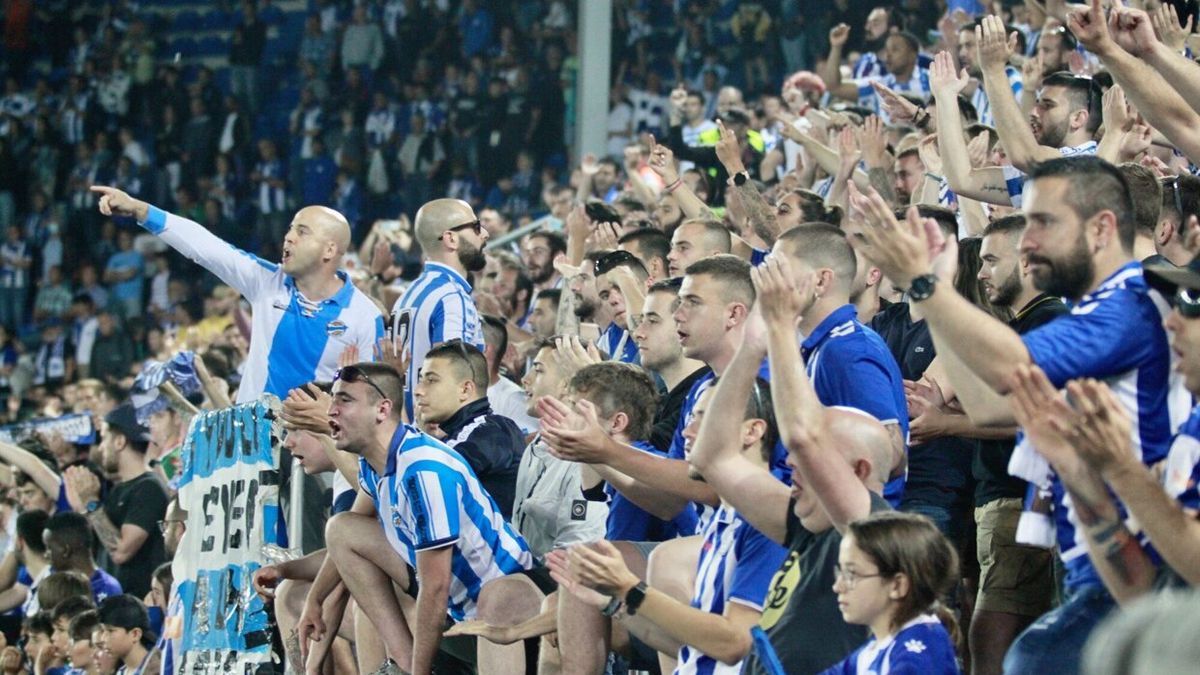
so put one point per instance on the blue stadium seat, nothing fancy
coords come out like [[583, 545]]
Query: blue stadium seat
[[186, 20], [212, 45]]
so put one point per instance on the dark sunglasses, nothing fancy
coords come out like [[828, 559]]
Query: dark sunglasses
[[613, 260], [475, 226], [355, 374], [462, 349], [1178, 199], [1187, 303]]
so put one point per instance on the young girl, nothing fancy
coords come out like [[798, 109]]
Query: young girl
[[892, 568]]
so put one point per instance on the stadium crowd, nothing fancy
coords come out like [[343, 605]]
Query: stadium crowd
[[864, 345]]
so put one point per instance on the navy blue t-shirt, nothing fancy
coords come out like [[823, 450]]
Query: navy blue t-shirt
[[629, 522]]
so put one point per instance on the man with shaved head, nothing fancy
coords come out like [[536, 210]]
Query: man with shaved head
[[306, 312], [438, 306]]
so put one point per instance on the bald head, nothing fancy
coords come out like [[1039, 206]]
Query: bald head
[[861, 437], [327, 224], [438, 216]]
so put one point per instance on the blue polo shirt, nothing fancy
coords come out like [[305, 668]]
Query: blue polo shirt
[[851, 366], [1115, 334], [629, 522]]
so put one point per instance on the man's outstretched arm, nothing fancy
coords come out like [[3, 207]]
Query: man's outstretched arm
[[244, 272]]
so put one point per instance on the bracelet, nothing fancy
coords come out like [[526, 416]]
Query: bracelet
[[612, 607], [673, 186], [921, 118]]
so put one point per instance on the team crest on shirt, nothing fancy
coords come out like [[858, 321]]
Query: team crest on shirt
[[915, 646], [335, 328]]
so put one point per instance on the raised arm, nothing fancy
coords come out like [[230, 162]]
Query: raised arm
[[982, 184], [803, 424], [29, 464], [243, 272], [662, 161], [757, 496], [759, 214], [831, 70], [1011, 124]]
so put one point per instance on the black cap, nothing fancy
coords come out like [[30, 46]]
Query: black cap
[[123, 420], [1167, 277]]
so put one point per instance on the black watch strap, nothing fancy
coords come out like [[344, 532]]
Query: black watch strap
[[634, 598], [740, 178], [922, 287]]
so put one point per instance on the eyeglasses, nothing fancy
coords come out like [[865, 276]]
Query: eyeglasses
[[612, 260], [356, 374], [475, 226], [164, 524], [850, 577], [1187, 302]]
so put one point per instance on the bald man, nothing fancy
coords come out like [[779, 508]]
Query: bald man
[[438, 306], [305, 310]]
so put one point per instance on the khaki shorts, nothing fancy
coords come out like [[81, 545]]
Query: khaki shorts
[[1013, 579]]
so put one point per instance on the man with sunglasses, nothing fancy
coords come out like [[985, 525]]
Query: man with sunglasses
[[444, 536], [1179, 215], [615, 340], [305, 311], [438, 305]]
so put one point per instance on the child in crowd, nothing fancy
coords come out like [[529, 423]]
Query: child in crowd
[[81, 653], [125, 627], [53, 661], [892, 569]]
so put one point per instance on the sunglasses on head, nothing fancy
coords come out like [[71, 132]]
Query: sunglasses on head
[[1178, 200], [353, 374], [462, 349], [1187, 302], [613, 260]]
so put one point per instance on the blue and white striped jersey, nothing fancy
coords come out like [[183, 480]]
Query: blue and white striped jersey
[[917, 85], [980, 99], [1181, 473], [1114, 334], [616, 342], [1014, 178], [920, 646], [737, 564], [428, 497], [293, 340], [437, 307]]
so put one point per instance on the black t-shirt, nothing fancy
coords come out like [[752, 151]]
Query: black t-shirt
[[800, 613], [141, 502], [990, 462], [492, 444], [939, 472], [666, 417]]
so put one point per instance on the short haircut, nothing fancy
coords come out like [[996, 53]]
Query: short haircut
[[1013, 223], [910, 151], [1083, 93], [468, 361], [554, 295], [384, 376], [1187, 188], [83, 625], [554, 241], [127, 612], [631, 203], [62, 585], [716, 235], [40, 623], [651, 243], [732, 272], [911, 40], [822, 245], [72, 528], [666, 286], [610, 162], [71, 607], [1094, 185], [1148, 205], [946, 218], [760, 405], [615, 387], [30, 526], [495, 333]]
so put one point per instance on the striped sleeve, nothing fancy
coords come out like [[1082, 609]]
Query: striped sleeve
[[432, 495], [245, 272], [758, 559]]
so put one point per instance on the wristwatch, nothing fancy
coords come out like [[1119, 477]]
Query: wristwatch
[[922, 287], [634, 598], [612, 607], [740, 178], [92, 506]]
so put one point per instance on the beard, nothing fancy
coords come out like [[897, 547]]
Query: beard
[[1007, 292], [541, 274], [1068, 277], [471, 257], [1053, 136], [584, 309]]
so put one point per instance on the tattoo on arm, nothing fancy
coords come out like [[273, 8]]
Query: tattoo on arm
[[568, 321], [881, 180], [758, 212], [109, 535]]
